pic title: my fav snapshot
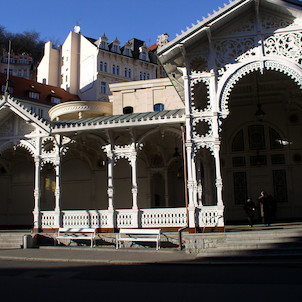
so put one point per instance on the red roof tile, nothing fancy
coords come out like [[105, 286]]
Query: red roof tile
[[21, 88]]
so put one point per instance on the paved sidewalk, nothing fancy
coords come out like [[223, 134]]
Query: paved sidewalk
[[111, 256], [97, 255]]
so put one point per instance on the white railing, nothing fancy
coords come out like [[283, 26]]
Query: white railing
[[48, 219], [206, 216], [211, 216], [88, 218], [124, 218], [79, 218], [170, 217]]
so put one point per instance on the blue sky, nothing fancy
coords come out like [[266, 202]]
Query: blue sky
[[124, 19]]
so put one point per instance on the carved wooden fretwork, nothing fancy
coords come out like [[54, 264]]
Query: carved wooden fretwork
[[246, 69], [128, 152], [199, 64], [274, 22], [194, 86], [287, 45], [244, 26], [202, 127], [234, 50]]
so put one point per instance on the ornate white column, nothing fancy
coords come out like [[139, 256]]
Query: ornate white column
[[218, 174], [189, 152], [194, 180], [199, 181], [58, 222], [37, 193], [110, 188], [134, 181], [135, 221]]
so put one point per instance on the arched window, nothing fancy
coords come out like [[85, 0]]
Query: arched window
[[159, 107], [128, 110]]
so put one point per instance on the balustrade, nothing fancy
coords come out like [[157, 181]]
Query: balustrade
[[125, 218]]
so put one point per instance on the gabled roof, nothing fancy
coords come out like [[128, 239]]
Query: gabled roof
[[12, 104], [171, 55], [217, 17]]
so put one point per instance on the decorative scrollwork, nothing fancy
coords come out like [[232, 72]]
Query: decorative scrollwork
[[246, 69], [287, 45], [234, 50]]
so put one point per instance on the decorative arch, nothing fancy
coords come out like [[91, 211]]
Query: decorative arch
[[152, 131], [22, 143], [232, 77]]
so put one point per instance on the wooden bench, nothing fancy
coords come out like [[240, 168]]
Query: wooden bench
[[141, 235], [76, 234]]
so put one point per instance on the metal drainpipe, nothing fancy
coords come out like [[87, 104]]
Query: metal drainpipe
[[185, 184]]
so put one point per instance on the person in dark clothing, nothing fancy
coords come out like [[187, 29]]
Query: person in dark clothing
[[250, 210], [265, 208]]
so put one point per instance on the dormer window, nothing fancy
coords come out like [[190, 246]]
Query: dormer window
[[115, 46], [9, 89], [102, 42], [127, 50], [55, 100], [103, 45], [34, 95], [143, 53]]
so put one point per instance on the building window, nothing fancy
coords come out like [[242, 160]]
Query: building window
[[113, 69], [103, 45], [34, 95], [10, 71], [126, 72], [238, 142], [140, 75], [256, 137], [103, 66], [148, 76], [159, 107], [127, 52], [144, 56], [115, 48], [129, 73], [128, 110], [55, 100], [103, 87], [117, 69], [9, 89]]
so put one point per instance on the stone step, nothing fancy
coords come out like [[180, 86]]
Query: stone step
[[12, 239]]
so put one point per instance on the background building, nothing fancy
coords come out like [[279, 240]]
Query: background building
[[20, 64], [37, 97], [86, 66]]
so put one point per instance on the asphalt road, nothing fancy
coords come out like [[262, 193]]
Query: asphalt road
[[56, 282]]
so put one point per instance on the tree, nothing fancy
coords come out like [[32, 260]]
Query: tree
[[27, 42]]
